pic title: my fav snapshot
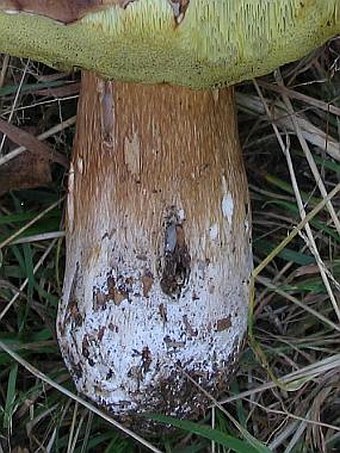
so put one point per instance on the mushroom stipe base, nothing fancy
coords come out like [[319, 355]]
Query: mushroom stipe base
[[158, 248]]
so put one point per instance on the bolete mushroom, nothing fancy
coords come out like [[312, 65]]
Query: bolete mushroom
[[158, 240]]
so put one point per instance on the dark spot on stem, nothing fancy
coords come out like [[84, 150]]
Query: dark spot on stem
[[147, 282], [223, 324], [175, 267], [163, 312], [73, 314], [117, 291]]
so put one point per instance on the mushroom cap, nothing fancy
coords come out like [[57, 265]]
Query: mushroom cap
[[195, 43]]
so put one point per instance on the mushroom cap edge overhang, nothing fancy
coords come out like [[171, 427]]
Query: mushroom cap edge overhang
[[213, 43]]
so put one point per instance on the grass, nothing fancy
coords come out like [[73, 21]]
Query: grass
[[285, 396]]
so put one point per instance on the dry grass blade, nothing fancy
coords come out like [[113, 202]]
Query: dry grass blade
[[39, 237], [308, 100], [294, 380], [24, 228], [31, 143], [280, 117], [54, 130]]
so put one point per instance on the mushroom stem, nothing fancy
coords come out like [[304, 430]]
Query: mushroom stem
[[158, 247]]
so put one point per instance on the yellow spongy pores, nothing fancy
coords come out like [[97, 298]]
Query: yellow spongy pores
[[218, 42]]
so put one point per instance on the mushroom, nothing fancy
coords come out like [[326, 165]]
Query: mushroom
[[158, 235]]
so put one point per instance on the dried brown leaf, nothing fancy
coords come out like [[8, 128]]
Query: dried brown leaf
[[31, 168]]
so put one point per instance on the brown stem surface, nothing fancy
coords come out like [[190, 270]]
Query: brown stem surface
[[158, 246]]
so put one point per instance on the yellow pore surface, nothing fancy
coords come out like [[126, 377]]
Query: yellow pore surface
[[216, 42]]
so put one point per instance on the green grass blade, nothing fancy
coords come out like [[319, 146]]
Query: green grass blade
[[236, 445]]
